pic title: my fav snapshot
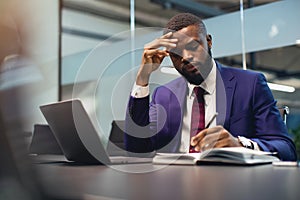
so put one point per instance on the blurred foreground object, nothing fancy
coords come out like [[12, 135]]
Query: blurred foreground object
[[18, 178]]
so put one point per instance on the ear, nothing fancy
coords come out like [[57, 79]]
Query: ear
[[209, 40]]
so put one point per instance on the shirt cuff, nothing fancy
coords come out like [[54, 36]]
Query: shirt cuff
[[256, 147], [140, 91]]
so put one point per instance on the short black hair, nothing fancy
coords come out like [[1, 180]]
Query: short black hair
[[183, 20]]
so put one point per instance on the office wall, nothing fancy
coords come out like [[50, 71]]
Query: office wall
[[99, 67], [265, 27], [29, 74]]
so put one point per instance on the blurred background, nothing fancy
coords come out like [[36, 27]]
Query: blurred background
[[261, 35]]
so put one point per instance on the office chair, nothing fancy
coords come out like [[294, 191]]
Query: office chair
[[43, 141], [284, 112], [116, 146]]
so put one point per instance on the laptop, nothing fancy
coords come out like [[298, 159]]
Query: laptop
[[77, 136]]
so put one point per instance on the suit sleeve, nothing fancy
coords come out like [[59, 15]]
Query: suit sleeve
[[272, 134], [137, 127]]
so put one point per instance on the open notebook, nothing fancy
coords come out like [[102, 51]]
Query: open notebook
[[76, 135], [230, 155]]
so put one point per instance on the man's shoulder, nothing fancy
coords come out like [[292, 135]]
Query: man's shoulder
[[237, 72], [179, 80], [175, 83]]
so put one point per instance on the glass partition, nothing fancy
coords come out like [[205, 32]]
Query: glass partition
[[264, 31]]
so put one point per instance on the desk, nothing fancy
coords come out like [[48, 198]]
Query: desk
[[172, 182]]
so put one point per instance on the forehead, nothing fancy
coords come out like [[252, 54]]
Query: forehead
[[189, 34]]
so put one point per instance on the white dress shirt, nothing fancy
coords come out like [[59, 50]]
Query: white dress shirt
[[209, 85]]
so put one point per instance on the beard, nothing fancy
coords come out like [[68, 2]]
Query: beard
[[192, 77], [196, 73]]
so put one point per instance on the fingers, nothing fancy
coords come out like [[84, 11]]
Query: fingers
[[197, 138], [215, 140], [167, 35], [153, 55], [215, 137], [164, 41], [216, 144], [154, 52]]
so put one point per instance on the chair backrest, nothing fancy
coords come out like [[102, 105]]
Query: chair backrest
[[284, 111], [116, 146], [44, 141]]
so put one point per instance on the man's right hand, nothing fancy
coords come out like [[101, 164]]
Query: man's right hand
[[153, 57]]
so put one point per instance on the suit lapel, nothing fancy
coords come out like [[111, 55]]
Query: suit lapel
[[177, 102], [225, 88], [179, 90]]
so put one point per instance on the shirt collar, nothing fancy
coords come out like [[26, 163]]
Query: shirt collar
[[209, 84]]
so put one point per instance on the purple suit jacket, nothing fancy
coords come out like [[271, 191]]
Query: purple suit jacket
[[245, 105]]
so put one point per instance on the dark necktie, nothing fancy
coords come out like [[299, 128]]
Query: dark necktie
[[198, 114]]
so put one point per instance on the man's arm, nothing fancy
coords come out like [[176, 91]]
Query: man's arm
[[138, 136], [260, 122], [272, 134]]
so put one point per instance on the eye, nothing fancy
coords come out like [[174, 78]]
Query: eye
[[192, 46]]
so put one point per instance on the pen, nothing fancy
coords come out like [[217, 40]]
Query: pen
[[211, 120], [192, 148]]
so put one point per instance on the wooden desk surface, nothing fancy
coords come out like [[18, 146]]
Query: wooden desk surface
[[171, 182]]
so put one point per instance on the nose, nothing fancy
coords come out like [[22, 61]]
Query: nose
[[187, 56]]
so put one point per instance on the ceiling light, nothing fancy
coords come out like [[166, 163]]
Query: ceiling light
[[281, 88]]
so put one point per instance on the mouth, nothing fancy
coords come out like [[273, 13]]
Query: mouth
[[190, 67]]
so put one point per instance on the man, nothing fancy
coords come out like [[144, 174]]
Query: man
[[247, 112]]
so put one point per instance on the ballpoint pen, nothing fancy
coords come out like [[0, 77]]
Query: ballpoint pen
[[192, 149], [211, 120]]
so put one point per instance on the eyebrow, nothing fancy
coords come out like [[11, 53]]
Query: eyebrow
[[192, 43]]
